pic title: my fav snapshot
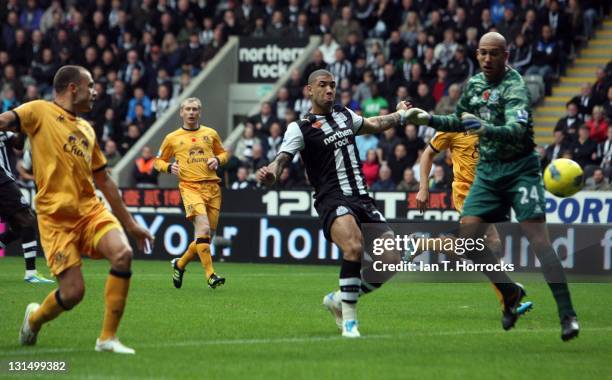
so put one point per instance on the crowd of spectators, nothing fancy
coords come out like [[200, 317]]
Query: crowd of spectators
[[143, 53], [584, 134], [383, 52]]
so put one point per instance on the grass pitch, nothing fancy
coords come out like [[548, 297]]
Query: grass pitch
[[267, 322]]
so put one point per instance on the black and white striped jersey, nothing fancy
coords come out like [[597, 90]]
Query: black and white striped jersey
[[327, 146], [6, 174]]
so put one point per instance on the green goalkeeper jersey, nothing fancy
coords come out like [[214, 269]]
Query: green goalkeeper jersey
[[505, 111]]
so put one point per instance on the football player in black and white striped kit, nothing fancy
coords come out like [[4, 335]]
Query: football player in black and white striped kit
[[325, 139], [15, 210]]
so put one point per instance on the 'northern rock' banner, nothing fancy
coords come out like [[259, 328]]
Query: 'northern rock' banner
[[264, 60]]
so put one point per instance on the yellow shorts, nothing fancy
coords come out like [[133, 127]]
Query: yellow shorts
[[64, 242], [202, 198], [460, 192]]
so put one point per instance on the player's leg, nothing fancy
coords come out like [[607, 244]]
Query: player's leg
[[346, 234], [70, 293], [113, 245], [528, 204], [213, 206]]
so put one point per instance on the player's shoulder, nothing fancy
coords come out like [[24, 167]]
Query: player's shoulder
[[208, 130], [37, 105]]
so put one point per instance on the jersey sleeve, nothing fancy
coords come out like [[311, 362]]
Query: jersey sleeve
[[441, 141], [28, 117], [357, 121], [98, 161], [164, 156], [293, 141], [218, 149]]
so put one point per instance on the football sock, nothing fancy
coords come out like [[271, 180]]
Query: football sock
[[29, 246], [203, 247], [350, 284], [51, 307], [188, 256], [500, 297], [500, 280], [115, 296], [555, 277]]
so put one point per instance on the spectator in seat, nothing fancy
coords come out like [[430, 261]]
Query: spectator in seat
[[341, 67], [424, 100], [244, 146], [346, 25], [141, 99], [604, 154], [570, 123], [163, 101], [408, 183], [277, 27], [111, 153], [384, 182], [365, 143], [398, 161], [448, 103], [370, 167], [545, 57], [439, 182], [386, 144], [133, 134], [445, 50], [414, 144], [598, 125], [242, 179], [347, 101], [520, 54], [258, 160], [317, 63], [273, 142], [328, 48], [556, 148], [373, 106], [302, 105], [584, 151], [144, 173], [354, 48], [363, 89], [608, 104], [295, 85], [584, 101], [141, 120], [509, 26], [391, 81], [460, 68], [597, 182], [282, 103], [263, 120], [440, 85]]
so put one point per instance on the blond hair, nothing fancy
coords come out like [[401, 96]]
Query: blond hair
[[191, 100]]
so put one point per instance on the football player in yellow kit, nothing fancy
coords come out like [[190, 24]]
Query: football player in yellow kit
[[71, 219], [198, 152]]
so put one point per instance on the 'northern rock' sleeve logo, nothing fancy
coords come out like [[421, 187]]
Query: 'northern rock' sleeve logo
[[78, 145]]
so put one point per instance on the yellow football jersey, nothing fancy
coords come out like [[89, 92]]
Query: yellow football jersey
[[64, 155], [464, 153], [192, 149]]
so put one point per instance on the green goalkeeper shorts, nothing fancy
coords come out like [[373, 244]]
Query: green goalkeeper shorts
[[500, 186]]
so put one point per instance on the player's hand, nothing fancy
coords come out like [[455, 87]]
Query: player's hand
[[212, 163], [403, 105], [174, 169], [414, 116], [140, 234], [265, 176], [422, 200], [472, 124]]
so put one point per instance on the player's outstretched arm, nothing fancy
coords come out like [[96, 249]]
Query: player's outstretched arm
[[8, 121], [422, 197], [378, 124], [109, 188], [268, 174]]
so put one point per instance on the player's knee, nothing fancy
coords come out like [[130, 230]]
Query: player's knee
[[494, 245], [352, 251], [122, 260], [72, 296]]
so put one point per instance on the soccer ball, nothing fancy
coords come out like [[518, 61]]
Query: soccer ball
[[563, 177]]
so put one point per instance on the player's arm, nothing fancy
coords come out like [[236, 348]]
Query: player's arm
[[422, 198], [109, 188], [269, 174], [162, 161], [220, 154], [293, 142], [378, 124], [8, 121]]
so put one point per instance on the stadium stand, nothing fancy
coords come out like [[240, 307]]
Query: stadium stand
[[143, 54]]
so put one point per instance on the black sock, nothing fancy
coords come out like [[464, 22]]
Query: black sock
[[555, 277], [29, 246], [350, 281], [368, 284]]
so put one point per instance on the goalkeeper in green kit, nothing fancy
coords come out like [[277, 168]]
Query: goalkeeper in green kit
[[495, 105]]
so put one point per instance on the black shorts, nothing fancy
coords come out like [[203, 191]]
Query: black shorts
[[11, 200], [363, 210]]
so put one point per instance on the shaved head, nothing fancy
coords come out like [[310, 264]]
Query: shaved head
[[493, 39], [492, 55]]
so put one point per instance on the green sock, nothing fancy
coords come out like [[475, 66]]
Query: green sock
[[555, 277]]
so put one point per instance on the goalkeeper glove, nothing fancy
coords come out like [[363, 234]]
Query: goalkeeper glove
[[414, 116], [472, 124]]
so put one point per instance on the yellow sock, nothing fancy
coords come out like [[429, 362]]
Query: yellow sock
[[115, 295], [188, 256], [49, 310], [203, 247], [499, 295]]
